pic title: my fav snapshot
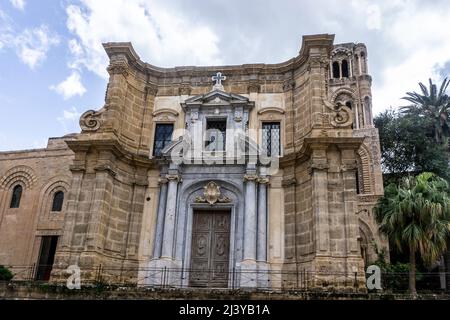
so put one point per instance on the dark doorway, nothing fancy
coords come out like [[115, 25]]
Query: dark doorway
[[46, 257], [210, 250]]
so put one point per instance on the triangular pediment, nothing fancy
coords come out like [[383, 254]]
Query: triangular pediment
[[217, 97]]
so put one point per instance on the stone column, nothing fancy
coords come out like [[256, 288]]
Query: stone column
[[250, 220], [350, 63], [261, 243], [261, 250], [340, 69], [318, 170], [359, 65], [169, 219], [248, 270], [160, 218], [364, 113]]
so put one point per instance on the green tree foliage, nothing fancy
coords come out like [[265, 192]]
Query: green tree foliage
[[433, 105], [408, 146], [415, 215]]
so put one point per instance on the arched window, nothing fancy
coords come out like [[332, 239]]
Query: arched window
[[348, 104], [16, 195], [345, 72], [336, 72], [58, 200]]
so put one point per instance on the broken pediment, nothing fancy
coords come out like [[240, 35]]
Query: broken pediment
[[217, 98]]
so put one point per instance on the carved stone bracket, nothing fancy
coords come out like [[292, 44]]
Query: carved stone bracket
[[118, 67], [317, 62], [288, 84], [151, 89], [90, 120], [254, 86], [184, 89], [212, 194]]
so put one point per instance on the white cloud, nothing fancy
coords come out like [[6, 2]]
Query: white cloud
[[161, 37], [5, 29], [422, 48], [373, 17], [18, 4], [69, 120], [32, 45], [70, 87]]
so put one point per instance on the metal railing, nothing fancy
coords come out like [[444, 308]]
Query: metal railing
[[277, 280]]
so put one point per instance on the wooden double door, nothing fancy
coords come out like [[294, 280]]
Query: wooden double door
[[210, 250]]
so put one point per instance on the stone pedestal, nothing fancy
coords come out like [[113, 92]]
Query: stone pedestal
[[164, 273], [248, 274]]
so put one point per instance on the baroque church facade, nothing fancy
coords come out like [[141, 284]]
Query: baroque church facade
[[229, 176]]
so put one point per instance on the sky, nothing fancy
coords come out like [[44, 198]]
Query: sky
[[53, 66]]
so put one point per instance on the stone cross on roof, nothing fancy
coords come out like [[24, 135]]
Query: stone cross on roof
[[218, 78]]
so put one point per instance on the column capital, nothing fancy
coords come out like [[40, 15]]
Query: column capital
[[250, 177], [263, 180], [171, 177], [162, 180]]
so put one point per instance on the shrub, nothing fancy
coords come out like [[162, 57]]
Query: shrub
[[5, 274]]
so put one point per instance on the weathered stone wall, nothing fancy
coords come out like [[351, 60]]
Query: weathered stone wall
[[41, 173], [104, 217], [317, 222]]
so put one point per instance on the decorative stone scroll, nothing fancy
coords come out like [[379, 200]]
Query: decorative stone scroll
[[341, 116], [90, 120], [212, 195]]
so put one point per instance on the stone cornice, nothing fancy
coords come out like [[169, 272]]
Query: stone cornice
[[112, 145], [314, 143], [271, 109], [126, 50], [165, 110]]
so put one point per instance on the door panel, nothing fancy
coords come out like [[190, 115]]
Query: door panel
[[210, 249], [46, 257]]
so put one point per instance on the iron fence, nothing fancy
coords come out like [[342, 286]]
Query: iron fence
[[277, 280]]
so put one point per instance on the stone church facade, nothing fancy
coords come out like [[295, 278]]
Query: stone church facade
[[229, 176]]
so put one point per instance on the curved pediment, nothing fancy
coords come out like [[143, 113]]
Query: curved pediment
[[217, 98]]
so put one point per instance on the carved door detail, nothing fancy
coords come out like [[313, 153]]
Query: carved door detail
[[210, 249]]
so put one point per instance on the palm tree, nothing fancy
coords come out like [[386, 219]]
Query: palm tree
[[433, 105], [415, 215]]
